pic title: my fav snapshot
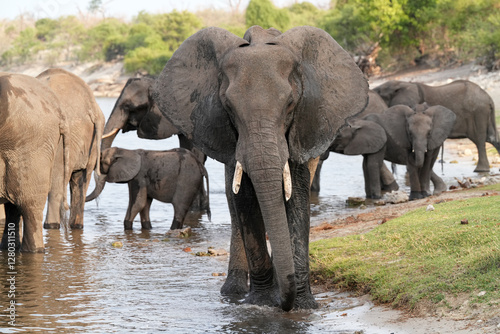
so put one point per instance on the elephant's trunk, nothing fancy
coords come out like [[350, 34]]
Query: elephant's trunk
[[266, 170], [419, 156], [100, 182]]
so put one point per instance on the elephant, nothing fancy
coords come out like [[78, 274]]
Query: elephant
[[86, 122], [32, 128], [473, 107], [128, 114], [400, 135], [174, 176], [375, 105], [266, 106]]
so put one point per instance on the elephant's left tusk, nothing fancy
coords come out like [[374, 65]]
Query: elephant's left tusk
[[287, 181], [312, 165], [238, 173], [109, 134]]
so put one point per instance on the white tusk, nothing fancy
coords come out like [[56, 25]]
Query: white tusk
[[238, 173], [287, 181], [112, 132], [312, 165]]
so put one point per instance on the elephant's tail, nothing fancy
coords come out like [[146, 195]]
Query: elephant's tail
[[492, 132], [206, 205]]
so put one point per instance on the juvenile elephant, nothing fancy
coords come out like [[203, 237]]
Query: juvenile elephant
[[173, 176], [128, 114], [412, 138], [32, 128], [86, 122], [473, 107], [263, 105]]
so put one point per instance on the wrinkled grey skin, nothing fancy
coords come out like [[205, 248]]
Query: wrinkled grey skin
[[473, 107], [375, 106], [32, 128], [86, 123], [263, 101], [128, 114], [413, 139], [174, 176], [369, 139]]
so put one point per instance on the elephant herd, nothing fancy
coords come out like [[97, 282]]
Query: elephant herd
[[267, 106]]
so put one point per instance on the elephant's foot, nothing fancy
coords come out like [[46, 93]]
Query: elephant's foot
[[176, 225], [482, 168], [127, 224], [76, 226], [29, 249], [415, 195], [266, 297], [236, 283], [390, 187], [439, 189], [305, 301], [51, 226], [146, 225]]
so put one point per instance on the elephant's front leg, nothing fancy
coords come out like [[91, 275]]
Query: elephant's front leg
[[12, 222], [145, 220], [415, 186], [372, 169], [137, 200], [298, 213], [78, 185], [425, 172], [263, 288], [236, 283]]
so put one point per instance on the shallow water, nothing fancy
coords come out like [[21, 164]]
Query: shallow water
[[82, 284]]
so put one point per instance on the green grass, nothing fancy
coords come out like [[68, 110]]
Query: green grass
[[421, 256]]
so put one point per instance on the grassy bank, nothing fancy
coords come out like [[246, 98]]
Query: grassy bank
[[422, 256]]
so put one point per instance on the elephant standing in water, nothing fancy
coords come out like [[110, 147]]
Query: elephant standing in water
[[267, 106], [32, 129], [400, 135], [129, 113], [173, 176], [473, 107], [86, 122]]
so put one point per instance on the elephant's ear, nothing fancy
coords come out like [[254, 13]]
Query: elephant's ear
[[125, 166], [443, 120], [187, 92], [369, 137], [153, 125], [333, 86], [393, 120]]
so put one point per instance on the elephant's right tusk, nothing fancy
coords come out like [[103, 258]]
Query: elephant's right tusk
[[287, 181], [112, 132], [238, 173]]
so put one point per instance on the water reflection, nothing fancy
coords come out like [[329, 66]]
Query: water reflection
[[82, 284]]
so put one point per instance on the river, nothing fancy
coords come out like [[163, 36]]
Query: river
[[154, 283]]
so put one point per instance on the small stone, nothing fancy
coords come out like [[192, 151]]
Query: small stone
[[218, 274], [482, 293], [453, 162], [355, 201], [430, 207], [216, 252], [117, 244], [464, 221], [187, 249], [180, 233]]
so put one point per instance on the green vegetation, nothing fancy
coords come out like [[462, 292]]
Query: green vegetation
[[421, 256], [403, 32]]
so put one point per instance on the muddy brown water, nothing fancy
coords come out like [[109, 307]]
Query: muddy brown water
[[82, 284]]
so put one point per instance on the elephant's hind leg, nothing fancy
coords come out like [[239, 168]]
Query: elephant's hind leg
[[78, 185], [12, 222], [137, 201], [145, 220], [32, 230]]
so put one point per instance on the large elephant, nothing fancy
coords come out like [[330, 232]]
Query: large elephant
[[174, 176], [129, 113], [409, 137], [32, 128], [86, 122], [473, 107], [267, 106]]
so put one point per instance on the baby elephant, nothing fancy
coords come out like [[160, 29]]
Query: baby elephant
[[174, 176]]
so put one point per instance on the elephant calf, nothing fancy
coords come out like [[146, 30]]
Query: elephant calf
[[174, 176]]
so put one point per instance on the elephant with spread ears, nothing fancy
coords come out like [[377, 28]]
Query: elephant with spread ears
[[129, 113], [400, 135], [266, 106], [32, 129], [473, 107], [86, 122]]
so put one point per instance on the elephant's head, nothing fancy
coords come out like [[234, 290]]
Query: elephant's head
[[119, 165], [129, 111], [399, 92], [360, 137], [419, 130], [258, 102]]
